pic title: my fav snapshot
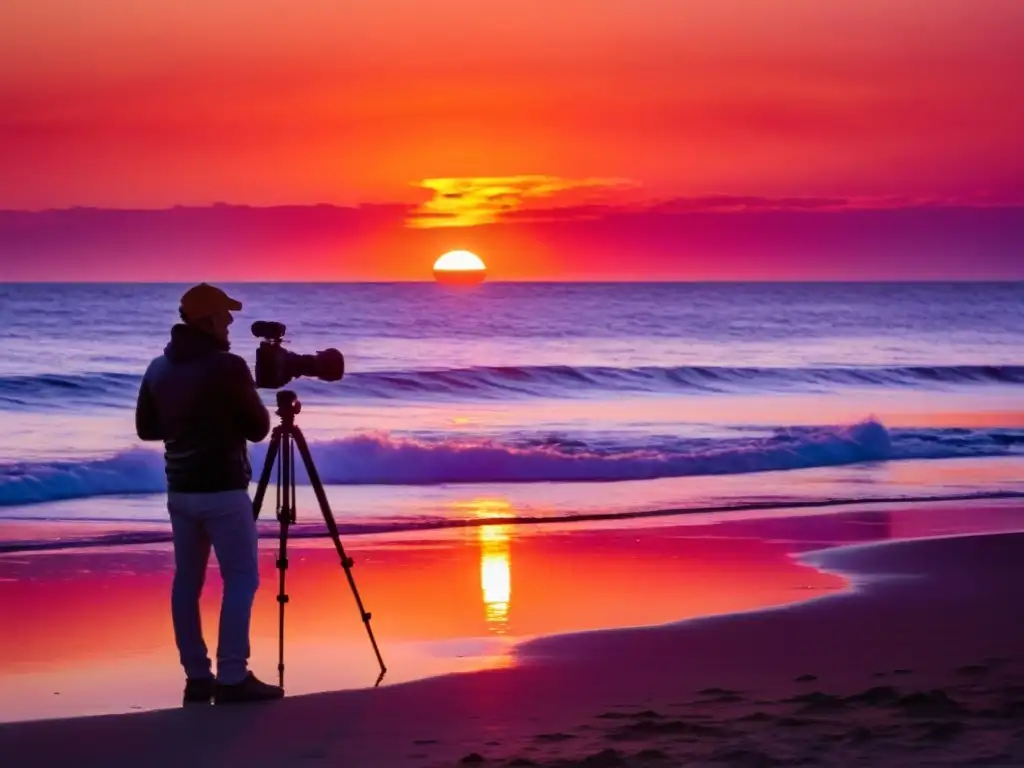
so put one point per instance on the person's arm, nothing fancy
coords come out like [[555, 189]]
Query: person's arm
[[253, 416], [147, 420]]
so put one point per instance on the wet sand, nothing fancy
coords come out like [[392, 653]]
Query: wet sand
[[910, 657]]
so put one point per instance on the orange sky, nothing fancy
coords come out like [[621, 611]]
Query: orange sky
[[126, 104]]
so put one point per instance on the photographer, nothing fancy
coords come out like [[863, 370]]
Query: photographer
[[201, 401]]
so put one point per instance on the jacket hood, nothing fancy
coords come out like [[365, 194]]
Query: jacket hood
[[189, 343]]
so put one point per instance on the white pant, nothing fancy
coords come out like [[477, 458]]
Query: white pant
[[225, 520]]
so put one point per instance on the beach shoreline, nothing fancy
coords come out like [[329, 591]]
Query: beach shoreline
[[883, 671]]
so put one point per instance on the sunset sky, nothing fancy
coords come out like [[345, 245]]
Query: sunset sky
[[746, 133]]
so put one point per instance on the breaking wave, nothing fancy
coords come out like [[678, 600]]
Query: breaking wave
[[388, 460]]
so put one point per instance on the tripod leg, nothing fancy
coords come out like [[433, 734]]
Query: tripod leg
[[268, 466], [282, 598], [346, 561], [285, 516]]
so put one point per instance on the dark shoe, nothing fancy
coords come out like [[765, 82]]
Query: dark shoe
[[198, 690], [250, 689]]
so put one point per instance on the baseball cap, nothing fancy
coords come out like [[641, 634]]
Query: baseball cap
[[204, 299]]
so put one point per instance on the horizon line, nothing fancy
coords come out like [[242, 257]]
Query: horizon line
[[673, 281], [862, 203]]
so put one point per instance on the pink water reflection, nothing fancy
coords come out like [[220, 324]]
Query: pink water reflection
[[93, 627]]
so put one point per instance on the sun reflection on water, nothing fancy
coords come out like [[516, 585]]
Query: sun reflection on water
[[495, 576], [495, 561]]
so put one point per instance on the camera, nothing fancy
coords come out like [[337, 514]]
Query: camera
[[276, 366]]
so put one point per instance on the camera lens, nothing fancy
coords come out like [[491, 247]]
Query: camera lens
[[330, 365]]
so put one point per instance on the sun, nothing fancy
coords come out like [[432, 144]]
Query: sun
[[460, 268]]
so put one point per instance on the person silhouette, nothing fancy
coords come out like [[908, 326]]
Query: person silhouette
[[201, 401]]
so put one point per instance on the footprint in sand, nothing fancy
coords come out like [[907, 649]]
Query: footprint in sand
[[860, 735], [645, 714], [880, 694], [646, 728], [606, 758], [721, 695], [817, 702], [651, 754], [972, 670], [744, 757], [553, 737], [943, 731], [935, 703]]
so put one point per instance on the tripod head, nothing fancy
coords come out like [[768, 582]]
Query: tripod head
[[288, 405]]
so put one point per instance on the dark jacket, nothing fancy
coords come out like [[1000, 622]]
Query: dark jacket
[[201, 400]]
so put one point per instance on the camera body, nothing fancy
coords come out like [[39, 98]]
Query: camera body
[[276, 366]]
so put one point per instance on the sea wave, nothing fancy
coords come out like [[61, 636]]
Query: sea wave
[[498, 382], [563, 380], [381, 459], [56, 389]]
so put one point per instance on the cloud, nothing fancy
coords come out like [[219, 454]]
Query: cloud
[[475, 201], [471, 201], [728, 204]]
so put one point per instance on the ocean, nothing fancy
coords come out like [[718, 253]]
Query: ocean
[[535, 402]]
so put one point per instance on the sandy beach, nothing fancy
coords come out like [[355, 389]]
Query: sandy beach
[[915, 661]]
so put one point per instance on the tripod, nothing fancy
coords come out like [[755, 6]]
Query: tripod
[[283, 440]]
